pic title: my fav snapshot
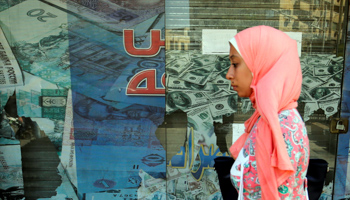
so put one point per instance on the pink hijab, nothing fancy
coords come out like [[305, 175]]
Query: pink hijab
[[272, 57]]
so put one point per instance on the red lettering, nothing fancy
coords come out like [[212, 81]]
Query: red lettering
[[148, 77], [156, 44]]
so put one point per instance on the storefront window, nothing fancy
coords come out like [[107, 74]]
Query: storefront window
[[319, 28]]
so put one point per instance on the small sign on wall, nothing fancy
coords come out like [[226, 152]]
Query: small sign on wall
[[215, 41]]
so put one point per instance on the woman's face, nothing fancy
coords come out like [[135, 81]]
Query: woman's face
[[239, 74]]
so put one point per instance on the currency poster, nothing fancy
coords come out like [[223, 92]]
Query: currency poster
[[90, 76]]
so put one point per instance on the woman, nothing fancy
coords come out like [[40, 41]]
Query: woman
[[272, 156]]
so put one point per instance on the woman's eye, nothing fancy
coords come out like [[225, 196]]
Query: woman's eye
[[234, 65]]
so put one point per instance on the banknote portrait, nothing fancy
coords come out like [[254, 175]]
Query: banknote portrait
[[178, 99], [52, 41], [335, 68], [232, 102], [42, 50], [338, 77], [222, 63], [320, 92], [29, 51]]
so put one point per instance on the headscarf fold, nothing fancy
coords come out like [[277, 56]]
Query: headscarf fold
[[272, 57]]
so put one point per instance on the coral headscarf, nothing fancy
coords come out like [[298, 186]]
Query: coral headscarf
[[272, 57]]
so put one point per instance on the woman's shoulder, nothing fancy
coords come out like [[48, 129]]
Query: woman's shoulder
[[290, 116]]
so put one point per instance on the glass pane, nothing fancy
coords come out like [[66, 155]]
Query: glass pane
[[322, 29]]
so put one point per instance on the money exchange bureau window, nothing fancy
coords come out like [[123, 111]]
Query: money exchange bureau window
[[191, 70]]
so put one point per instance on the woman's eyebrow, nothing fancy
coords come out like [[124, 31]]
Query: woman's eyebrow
[[232, 56]]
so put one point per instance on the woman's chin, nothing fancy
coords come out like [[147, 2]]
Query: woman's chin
[[242, 95]]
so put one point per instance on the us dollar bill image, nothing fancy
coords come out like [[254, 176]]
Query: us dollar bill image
[[321, 86], [223, 105], [185, 101], [178, 84]]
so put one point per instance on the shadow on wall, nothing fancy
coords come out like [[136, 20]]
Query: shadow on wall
[[172, 133]]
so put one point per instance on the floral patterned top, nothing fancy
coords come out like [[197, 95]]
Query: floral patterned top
[[296, 139]]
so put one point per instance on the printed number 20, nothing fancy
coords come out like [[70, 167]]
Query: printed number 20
[[39, 14]]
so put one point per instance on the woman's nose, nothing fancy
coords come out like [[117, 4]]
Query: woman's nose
[[230, 73]]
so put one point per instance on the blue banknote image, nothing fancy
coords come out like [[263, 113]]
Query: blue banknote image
[[112, 144]]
